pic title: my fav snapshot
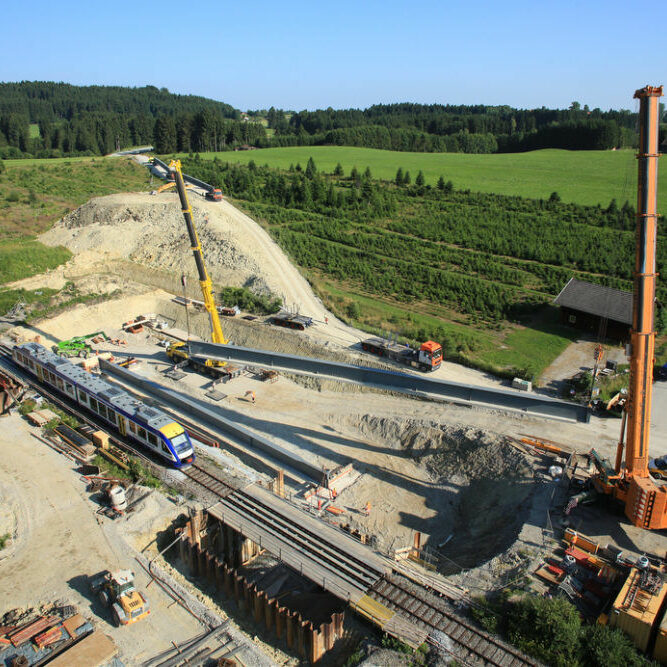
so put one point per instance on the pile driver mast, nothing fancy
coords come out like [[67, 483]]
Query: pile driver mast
[[204, 280], [645, 501]]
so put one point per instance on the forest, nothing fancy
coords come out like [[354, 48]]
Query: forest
[[97, 120], [488, 257], [448, 128], [47, 119]]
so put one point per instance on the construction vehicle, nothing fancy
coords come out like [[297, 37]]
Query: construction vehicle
[[630, 481], [117, 590], [291, 320], [214, 194], [426, 358], [77, 346], [179, 352]]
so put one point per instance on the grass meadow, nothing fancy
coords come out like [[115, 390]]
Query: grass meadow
[[582, 177]]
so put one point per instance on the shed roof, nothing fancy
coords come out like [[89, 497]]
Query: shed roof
[[614, 304]]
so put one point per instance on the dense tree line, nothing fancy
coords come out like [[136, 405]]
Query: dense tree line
[[76, 120], [485, 255], [95, 120], [49, 101], [444, 128], [103, 133]]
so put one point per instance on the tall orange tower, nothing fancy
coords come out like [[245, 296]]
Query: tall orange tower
[[645, 502]]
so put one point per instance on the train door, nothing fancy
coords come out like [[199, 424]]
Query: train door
[[122, 424], [40, 372]]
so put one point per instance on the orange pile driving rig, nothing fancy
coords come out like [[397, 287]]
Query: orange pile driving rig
[[630, 482]]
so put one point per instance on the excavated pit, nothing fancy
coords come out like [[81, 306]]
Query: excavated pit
[[481, 488]]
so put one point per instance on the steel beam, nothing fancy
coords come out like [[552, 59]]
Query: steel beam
[[282, 456], [406, 383]]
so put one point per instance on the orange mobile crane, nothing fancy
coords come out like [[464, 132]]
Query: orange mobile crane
[[645, 501]]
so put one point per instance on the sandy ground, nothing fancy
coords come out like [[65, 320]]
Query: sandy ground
[[55, 524], [58, 541], [578, 356]]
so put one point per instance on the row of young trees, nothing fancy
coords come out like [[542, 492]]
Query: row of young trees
[[486, 255]]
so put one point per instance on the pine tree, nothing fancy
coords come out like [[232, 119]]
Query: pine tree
[[311, 169], [338, 171], [441, 183], [406, 179], [399, 177], [420, 179], [367, 174]]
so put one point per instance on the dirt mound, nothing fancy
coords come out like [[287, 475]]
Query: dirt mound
[[150, 230], [448, 451]]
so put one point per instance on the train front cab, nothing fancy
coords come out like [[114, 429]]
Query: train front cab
[[179, 443]]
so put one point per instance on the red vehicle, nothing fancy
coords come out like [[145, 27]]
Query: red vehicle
[[214, 195], [426, 358]]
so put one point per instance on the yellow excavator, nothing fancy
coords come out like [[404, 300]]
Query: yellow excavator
[[178, 352], [117, 590]]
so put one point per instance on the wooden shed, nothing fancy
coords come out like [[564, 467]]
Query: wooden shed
[[604, 311]]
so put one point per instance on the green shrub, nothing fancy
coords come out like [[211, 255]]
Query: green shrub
[[27, 406], [249, 301], [545, 628]]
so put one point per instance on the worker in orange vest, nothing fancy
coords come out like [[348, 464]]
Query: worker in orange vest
[[367, 509]]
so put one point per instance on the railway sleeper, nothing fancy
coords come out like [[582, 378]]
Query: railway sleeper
[[309, 549], [337, 551], [310, 542]]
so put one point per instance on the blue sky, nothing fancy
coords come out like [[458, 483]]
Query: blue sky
[[306, 55]]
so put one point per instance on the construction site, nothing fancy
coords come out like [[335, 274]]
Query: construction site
[[304, 487]]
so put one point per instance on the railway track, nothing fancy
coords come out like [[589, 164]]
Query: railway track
[[436, 617], [208, 480], [281, 523]]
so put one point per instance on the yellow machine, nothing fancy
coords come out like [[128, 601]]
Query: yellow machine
[[178, 351], [116, 590]]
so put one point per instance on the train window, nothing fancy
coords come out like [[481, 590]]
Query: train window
[[152, 440], [103, 410], [93, 404], [59, 383], [69, 388], [165, 449], [133, 427], [82, 397], [142, 433]]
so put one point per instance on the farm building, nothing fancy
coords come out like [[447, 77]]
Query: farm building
[[603, 310]]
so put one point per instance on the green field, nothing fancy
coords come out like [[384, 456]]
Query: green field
[[33, 195], [583, 177]]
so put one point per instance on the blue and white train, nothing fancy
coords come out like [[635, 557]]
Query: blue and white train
[[148, 426]]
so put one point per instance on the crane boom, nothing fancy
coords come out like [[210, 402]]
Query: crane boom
[[204, 280], [642, 335]]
